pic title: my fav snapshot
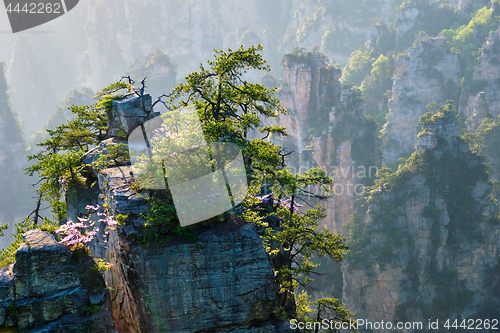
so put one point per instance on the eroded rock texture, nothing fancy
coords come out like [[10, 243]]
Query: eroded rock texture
[[483, 97], [429, 237], [189, 31], [308, 92], [51, 289], [330, 123], [219, 278], [429, 73]]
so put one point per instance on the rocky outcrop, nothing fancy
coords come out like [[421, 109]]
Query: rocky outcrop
[[427, 240], [483, 97], [481, 111], [213, 277], [344, 142], [51, 289], [428, 73], [407, 17], [351, 155], [308, 92]]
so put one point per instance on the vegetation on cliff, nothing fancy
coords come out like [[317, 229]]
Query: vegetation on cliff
[[379, 234], [372, 68], [229, 108]]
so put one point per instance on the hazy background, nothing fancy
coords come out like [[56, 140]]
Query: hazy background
[[65, 61]]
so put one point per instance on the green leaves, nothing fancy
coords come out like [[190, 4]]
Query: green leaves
[[228, 105], [59, 161]]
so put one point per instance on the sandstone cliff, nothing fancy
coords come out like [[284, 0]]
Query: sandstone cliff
[[428, 73], [427, 246], [212, 277], [483, 97], [117, 31], [327, 128], [50, 289], [309, 90]]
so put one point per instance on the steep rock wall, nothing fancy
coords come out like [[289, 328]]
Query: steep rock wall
[[428, 73], [429, 237], [12, 161], [50, 289], [483, 97], [351, 153], [308, 92], [344, 141], [219, 278]]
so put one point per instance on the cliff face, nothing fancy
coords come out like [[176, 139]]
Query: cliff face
[[343, 141], [338, 27], [209, 278], [50, 289], [308, 91], [483, 98], [429, 73], [429, 237], [350, 153]]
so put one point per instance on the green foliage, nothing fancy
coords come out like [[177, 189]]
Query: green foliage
[[8, 255], [301, 56], [121, 218], [431, 22], [101, 265], [467, 40], [386, 42], [161, 218], [452, 295], [229, 107], [311, 22], [115, 155], [3, 228], [58, 163], [441, 169], [375, 85], [437, 113], [322, 309], [90, 309], [476, 86], [49, 226], [360, 65]]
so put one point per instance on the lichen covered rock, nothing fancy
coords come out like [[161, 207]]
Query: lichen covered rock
[[49, 289]]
